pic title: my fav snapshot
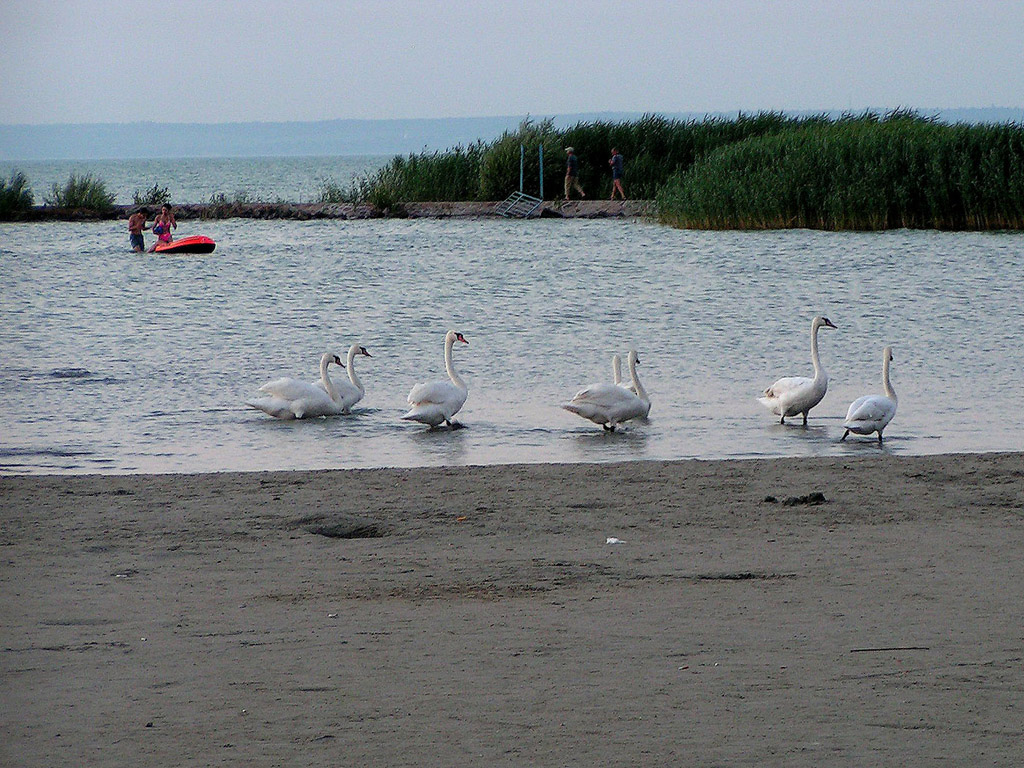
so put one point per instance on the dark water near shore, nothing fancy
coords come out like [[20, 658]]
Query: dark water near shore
[[117, 362]]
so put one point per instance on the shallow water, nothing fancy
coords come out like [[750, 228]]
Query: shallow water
[[118, 362]]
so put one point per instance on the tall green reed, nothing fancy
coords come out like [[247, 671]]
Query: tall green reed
[[81, 192], [15, 196], [860, 172]]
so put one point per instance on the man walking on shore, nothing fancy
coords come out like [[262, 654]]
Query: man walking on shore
[[572, 173]]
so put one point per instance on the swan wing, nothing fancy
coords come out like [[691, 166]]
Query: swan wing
[[786, 386], [293, 389], [604, 395], [348, 394], [436, 392], [870, 408], [607, 404], [272, 406]]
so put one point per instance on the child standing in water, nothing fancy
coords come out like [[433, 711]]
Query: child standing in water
[[136, 224], [162, 225]]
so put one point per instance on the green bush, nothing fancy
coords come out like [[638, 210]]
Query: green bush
[[81, 193], [155, 195], [15, 196]]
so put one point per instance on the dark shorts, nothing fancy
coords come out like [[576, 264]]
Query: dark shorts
[[138, 241], [616, 175]]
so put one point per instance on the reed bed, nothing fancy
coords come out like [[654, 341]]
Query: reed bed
[[860, 173], [81, 192], [654, 147], [15, 196]]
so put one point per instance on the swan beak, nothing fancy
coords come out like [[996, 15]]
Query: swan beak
[[830, 324]]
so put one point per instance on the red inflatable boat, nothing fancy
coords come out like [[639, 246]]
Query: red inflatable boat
[[194, 244]]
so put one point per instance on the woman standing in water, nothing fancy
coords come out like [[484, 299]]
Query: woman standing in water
[[162, 226]]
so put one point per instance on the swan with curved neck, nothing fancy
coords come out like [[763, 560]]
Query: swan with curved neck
[[612, 404], [351, 392], [791, 395], [289, 398], [438, 401], [872, 413]]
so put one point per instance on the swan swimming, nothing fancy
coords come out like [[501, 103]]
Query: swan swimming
[[351, 392], [798, 394], [871, 413], [611, 404], [438, 401], [293, 399]]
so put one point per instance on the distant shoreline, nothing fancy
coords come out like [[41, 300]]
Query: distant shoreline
[[574, 209]]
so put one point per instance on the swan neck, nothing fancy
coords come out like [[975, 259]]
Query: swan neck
[[352, 368], [819, 372], [448, 366], [889, 391], [640, 391], [326, 379]]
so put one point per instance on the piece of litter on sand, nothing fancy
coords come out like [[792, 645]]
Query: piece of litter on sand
[[613, 540]]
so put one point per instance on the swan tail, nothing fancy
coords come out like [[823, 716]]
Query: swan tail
[[424, 415], [273, 406]]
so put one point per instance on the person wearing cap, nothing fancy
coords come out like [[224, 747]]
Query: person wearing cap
[[572, 173]]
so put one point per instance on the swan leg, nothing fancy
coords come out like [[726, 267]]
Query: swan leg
[[879, 437], [847, 432], [805, 418], [783, 419], [608, 427]]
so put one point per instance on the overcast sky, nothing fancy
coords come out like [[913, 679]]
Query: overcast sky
[[69, 61]]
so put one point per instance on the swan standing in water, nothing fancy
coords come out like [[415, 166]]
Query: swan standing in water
[[293, 399], [438, 401], [871, 413], [798, 394], [351, 393], [611, 404]]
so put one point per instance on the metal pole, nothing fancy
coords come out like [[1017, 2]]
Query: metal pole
[[541, 152], [522, 162]]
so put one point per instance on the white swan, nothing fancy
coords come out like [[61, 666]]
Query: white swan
[[798, 394], [351, 392], [611, 404], [871, 413], [293, 399], [438, 401]]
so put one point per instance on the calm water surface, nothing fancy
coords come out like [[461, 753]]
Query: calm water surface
[[196, 180], [117, 362]]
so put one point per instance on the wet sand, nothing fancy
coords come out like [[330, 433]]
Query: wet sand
[[871, 614]]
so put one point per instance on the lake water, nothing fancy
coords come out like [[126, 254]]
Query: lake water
[[196, 180], [117, 362]]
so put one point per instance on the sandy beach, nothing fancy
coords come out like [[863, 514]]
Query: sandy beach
[[799, 612]]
